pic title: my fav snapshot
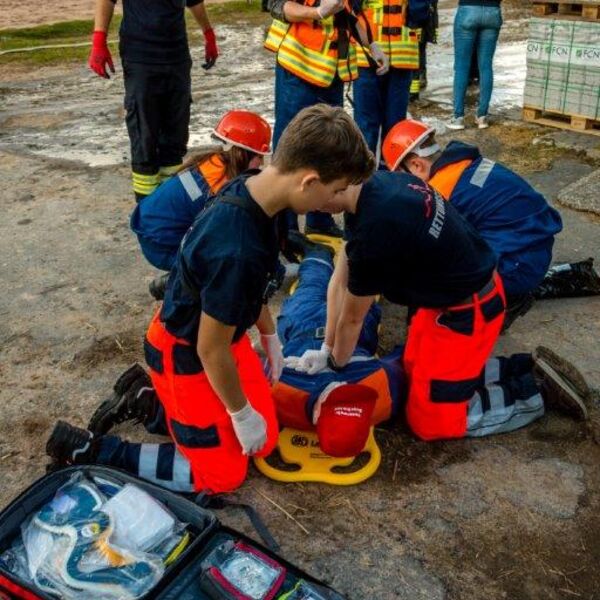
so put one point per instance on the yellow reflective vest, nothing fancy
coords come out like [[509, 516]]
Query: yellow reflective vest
[[309, 50], [387, 21]]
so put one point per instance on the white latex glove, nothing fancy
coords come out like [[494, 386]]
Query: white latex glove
[[323, 398], [272, 347], [380, 58], [250, 429], [311, 362], [329, 7]]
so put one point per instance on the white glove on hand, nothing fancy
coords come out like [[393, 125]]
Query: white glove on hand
[[311, 362], [380, 58], [250, 429], [329, 7], [323, 397], [272, 347]]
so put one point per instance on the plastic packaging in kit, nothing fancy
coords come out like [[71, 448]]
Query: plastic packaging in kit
[[69, 547]]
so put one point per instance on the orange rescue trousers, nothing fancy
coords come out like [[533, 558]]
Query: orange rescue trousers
[[445, 355], [197, 419]]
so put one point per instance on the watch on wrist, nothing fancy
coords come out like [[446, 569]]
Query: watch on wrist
[[332, 364]]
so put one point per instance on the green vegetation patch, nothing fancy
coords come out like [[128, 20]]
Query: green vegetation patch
[[78, 32]]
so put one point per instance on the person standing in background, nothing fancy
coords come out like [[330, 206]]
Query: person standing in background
[[428, 34], [157, 73], [476, 28], [381, 96], [314, 43]]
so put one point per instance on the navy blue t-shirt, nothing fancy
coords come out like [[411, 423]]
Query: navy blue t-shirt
[[153, 31], [407, 243], [223, 267]]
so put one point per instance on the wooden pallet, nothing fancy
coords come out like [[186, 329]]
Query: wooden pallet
[[563, 121], [588, 10]]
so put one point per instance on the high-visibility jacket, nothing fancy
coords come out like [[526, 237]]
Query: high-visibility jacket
[[296, 393], [312, 50], [387, 21], [513, 218], [161, 219]]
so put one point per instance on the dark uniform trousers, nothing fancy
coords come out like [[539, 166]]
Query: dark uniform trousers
[[157, 106]]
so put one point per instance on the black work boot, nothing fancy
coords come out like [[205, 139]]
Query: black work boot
[[570, 280], [556, 387], [516, 306], [133, 398], [158, 287], [70, 445]]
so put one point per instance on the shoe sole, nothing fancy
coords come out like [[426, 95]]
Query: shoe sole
[[571, 403], [564, 368]]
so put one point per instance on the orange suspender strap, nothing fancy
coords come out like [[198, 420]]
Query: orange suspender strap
[[445, 180]]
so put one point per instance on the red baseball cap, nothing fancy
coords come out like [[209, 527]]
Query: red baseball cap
[[345, 420]]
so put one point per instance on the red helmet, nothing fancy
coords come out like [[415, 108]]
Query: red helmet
[[406, 137], [246, 130]]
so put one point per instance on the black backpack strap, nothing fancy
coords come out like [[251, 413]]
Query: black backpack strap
[[244, 203], [359, 13], [219, 502]]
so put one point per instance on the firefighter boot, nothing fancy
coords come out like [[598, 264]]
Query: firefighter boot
[[158, 286], [133, 398], [70, 445], [555, 383]]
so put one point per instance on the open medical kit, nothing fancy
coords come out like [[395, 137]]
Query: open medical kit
[[92, 532]]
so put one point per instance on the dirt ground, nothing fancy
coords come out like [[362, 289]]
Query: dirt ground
[[511, 517], [19, 14]]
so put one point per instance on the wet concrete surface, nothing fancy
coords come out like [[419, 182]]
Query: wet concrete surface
[[77, 116], [514, 517]]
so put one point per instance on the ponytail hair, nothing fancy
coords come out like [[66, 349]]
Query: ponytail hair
[[236, 160]]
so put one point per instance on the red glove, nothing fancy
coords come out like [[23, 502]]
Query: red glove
[[211, 52], [100, 55]]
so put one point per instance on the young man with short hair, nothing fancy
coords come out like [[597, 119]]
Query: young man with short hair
[[315, 46], [512, 217], [369, 391], [406, 243], [216, 399]]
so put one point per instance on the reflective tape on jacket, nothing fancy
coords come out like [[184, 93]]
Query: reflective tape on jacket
[[309, 50], [386, 19]]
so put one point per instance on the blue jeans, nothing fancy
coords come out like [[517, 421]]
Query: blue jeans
[[475, 27], [304, 313], [292, 94], [301, 327], [380, 102]]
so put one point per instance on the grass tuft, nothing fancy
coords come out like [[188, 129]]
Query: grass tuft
[[234, 12]]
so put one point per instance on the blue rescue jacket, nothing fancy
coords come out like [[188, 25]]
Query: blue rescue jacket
[[161, 219], [512, 217]]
